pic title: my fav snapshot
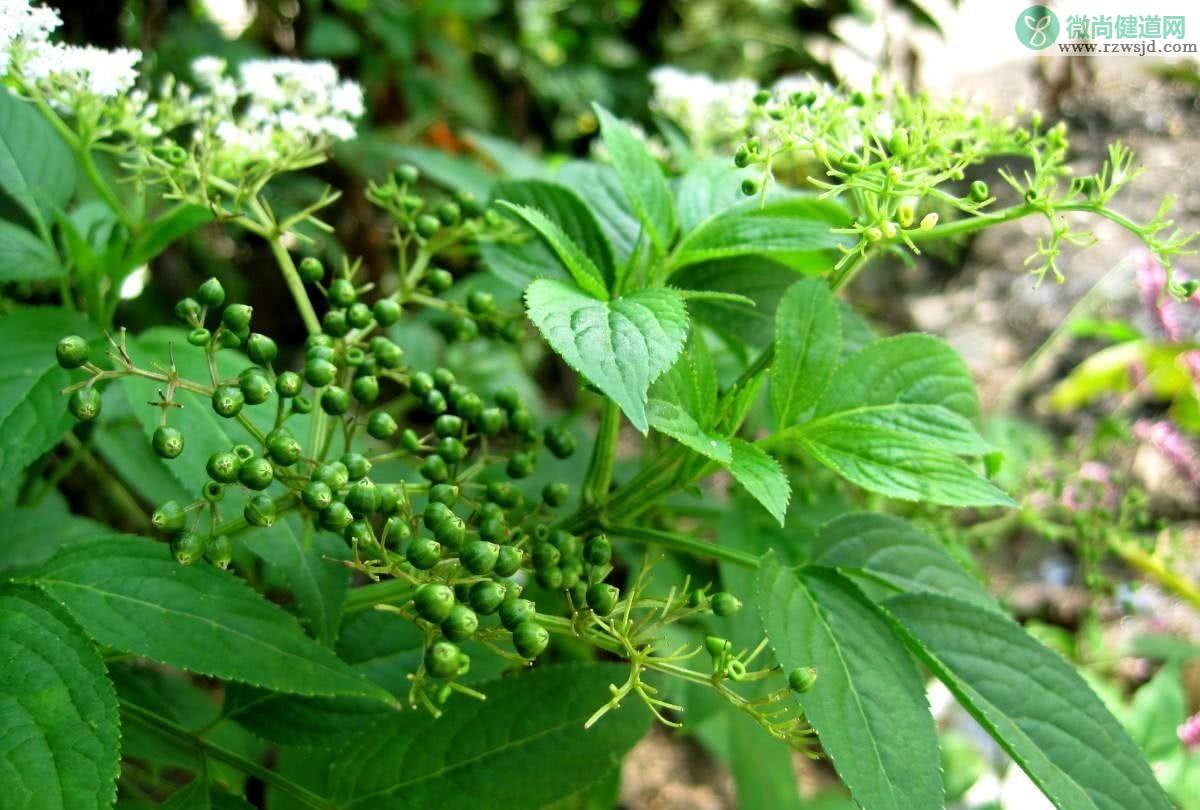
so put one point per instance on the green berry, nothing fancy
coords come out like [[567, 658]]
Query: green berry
[[436, 513], [439, 280], [169, 518], [363, 499], [381, 425], [530, 639], [256, 388], [260, 511], [84, 404], [283, 448], [256, 473], [750, 186], [236, 318], [492, 421], [212, 491], [979, 191], [359, 533], [167, 442], [433, 602], [481, 302], [508, 562], [359, 315], [448, 425], [288, 384], [409, 440], [494, 530], [514, 612], [421, 383], [199, 337], [71, 351], [520, 465], [317, 495], [390, 501], [451, 449], [725, 603], [551, 579], [228, 400], [188, 548], [319, 372], [387, 311], [802, 679], [445, 494], [301, 404], [442, 660], [602, 598], [311, 269], [521, 421], [337, 517], [357, 466], [434, 469], [211, 294], [567, 544], [451, 533], [188, 311], [219, 552], [261, 349], [387, 354], [407, 174], [461, 624], [559, 441], [426, 226], [424, 553], [545, 555], [365, 389], [597, 550], [334, 322], [479, 556], [555, 494], [469, 407], [435, 402], [334, 475], [342, 292], [448, 213], [335, 401]]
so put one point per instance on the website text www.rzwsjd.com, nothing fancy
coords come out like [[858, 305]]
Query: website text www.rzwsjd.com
[[1127, 48]]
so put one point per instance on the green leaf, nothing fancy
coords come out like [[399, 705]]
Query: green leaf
[[761, 280], [525, 746], [318, 581], [33, 411], [578, 264], [620, 346], [779, 227], [160, 233], [672, 420], [1159, 707], [509, 158], [707, 189], [375, 154], [24, 257], [868, 703], [641, 177], [199, 794], [808, 341], [57, 708], [893, 552], [762, 477], [37, 170], [1031, 701], [692, 382], [25, 543], [910, 369], [521, 262], [130, 594], [606, 199]]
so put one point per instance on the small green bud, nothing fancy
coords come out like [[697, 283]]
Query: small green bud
[[169, 518], [256, 473], [802, 679], [508, 562], [357, 466], [530, 639], [261, 349], [442, 660], [514, 612], [750, 186], [359, 315], [602, 598], [219, 552], [426, 226], [555, 494], [725, 604], [407, 174], [311, 269], [334, 475], [382, 425], [439, 280], [461, 624], [211, 294], [188, 311], [486, 597], [228, 400], [334, 322], [479, 556], [434, 469], [167, 442], [387, 354], [365, 389], [317, 495], [71, 351], [342, 292], [283, 448], [424, 553], [386, 311], [260, 511], [363, 499], [597, 550], [559, 441], [288, 384], [319, 373], [929, 221], [236, 318], [448, 213], [84, 404], [433, 602], [188, 548], [337, 517], [256, 388], [335, 401]]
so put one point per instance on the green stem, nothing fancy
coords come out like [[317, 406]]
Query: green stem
[[687, 545], [167, 729], [377, 593], [604, 456], [291, 277], [1155, 569]]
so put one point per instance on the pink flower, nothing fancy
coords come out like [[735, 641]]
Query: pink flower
[[1170, 441], [1151, 280], [1090, 488], [1189, 732]]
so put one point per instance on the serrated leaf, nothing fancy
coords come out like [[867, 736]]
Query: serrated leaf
[[130, 594], [868, 703], [893, 552], [606, 199], [620, 346], [778, 227], [672, 420], [37, 170], [25, 543], [578, 264], [24, 257], [1031, 701], [521, 262], [707, 189], [762, 477], [641, 177], [33, 411], [808, 342], [692, 382], [160, 233], [1158, 709], [525, 746], [930, 425], [58, 710]]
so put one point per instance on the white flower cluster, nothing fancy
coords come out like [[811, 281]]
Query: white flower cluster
[[64, 70]]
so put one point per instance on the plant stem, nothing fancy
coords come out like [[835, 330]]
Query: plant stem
[[165, 728], [604, 455], [687, 545], [291, 277], [1155, 569], [377, 593]]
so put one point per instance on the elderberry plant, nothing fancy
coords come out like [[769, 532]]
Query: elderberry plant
[[408, 593]]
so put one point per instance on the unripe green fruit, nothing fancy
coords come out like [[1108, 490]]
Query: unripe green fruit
[[448, 213], [357, 466], [424, 553], [342, 292], [451, 533], [486, 597], [530, 639], [433, 602], [317, 495], [514, 612], [461, 624], [334, 475], [434, 469], [288, 384], [256, 388], [602, 598], [211, 294], [451, 449], [260, 511], [445, 494], [335, 401], [750, 186], [439, 280], [481, 302], [436, 513], [319, 372], [283, 448], [520, 465], [551, 578], [337, 517], [508, 562], [212, 491], [381, 425], [545, 555], [448, 425], [435, 402], [725, 603], [421, 383], [597, 550], [236, 318], [426, 226], [442, 660], [567, 545], [979, 191], [802, 679], [360, 533], [334, 322], [71, 351], [359, 315], [261, 349], [256, 473], [188, 311], [479, 556], [363, 499], [406, 174], [559, 442], [301, 404], [84, 404], [219, 552], [167, 442], [311, 269], [555, 494], [199, 337], [387, 354], [386, 311], [169, 518], [228, 400], [365, 389], [188, 548], [390, 501]]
